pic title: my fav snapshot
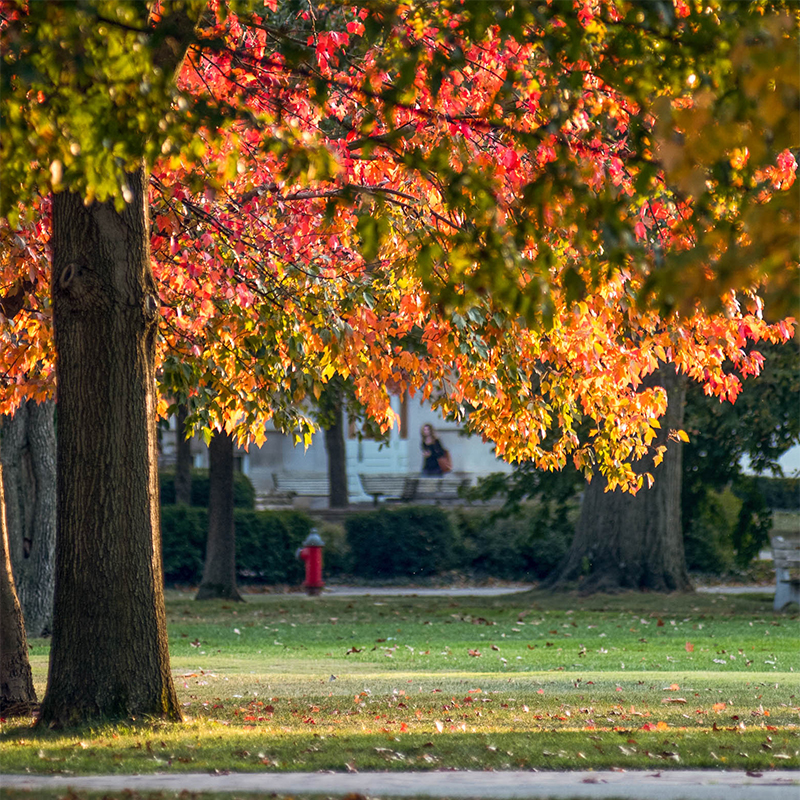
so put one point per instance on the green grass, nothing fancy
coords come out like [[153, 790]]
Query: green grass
[[285, 682]]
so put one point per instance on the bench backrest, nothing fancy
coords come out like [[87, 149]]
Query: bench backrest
[[311, 484], [786, 553]]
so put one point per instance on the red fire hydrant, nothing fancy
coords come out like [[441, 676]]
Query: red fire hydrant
[[311, 553]]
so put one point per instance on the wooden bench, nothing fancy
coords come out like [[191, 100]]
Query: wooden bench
[[303, 484], [786, 558], [389, 486], [441, 488]]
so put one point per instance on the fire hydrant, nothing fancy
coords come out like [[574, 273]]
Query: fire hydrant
[[311, 553]]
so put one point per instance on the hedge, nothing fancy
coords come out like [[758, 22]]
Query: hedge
[[266, 542], [244, 495], [408, 541], [521, 547]]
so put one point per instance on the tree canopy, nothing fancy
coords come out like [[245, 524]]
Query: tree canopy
[[514, 209]]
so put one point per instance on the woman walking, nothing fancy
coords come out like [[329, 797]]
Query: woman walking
[[432, 451]]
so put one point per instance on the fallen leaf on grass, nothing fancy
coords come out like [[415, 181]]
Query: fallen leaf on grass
[[474, 653]]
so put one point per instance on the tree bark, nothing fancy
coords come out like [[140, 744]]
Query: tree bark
[[109, 657], [183, 459], [624, 541], [17, 695], [337, 458], [219, 573], [29, 476]]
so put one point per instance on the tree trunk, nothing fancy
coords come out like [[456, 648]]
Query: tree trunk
[[219, 574], [183, 459], [17, 695], [337, 458], [29, 475], [109, 656], [624, 541]]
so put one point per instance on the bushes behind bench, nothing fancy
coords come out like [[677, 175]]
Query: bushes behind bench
[[408, 541], [244, 495], [266, 542]]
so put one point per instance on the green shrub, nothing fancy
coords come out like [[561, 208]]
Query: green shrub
[[706, 536], [266, 542], [336, 558], [183, 542], [782, 493], [407, 541], [244, 495], [523, 546]]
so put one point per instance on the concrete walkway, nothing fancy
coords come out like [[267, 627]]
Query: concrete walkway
[[655, 785], [410, 591], [494, 591]]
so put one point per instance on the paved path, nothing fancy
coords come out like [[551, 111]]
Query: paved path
[[737, 589], [493, 591], [666, 785], [410, 591]]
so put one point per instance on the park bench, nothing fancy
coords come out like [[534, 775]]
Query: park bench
[[441, 488], [389, 486], [302, 484], [786, 558]]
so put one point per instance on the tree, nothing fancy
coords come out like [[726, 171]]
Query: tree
[[104, 314], [331, 412], [626, 541], [29, 474], [183, 458], [105, 310], [759, 428], [516, 236], [17, 695], [219, 574]]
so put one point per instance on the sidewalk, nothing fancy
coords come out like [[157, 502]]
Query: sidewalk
[[410, 591], [495, 591], [666, 785]]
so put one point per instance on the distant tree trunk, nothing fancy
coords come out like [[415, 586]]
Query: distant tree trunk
[[337, 458], [635, 542], [330, 414], [183, 459], [17, 695], [219, 574], [29, 475], [109, 656]]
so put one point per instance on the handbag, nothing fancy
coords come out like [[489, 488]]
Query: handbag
[[445, 462]]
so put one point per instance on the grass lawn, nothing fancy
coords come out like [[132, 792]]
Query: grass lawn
[[534, 680]]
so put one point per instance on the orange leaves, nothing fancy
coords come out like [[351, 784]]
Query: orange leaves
[[657, 726]]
